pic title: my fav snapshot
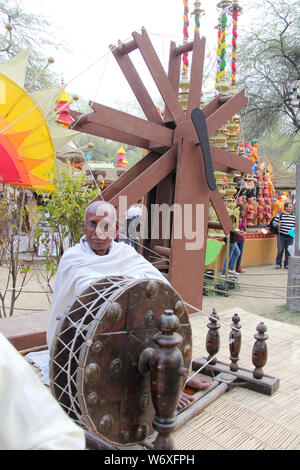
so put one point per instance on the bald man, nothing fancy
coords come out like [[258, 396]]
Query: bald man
[[95, 257], [98, 256]]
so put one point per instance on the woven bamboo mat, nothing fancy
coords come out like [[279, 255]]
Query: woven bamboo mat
[[243, 419]]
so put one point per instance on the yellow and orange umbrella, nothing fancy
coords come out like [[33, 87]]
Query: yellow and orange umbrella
[[27, 156]]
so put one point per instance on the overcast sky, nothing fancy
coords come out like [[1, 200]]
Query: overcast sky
[[87, 28]]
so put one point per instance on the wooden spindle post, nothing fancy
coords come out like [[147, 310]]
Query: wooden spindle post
[[235, 340], [213, 337], [165, 364], [260, 352]]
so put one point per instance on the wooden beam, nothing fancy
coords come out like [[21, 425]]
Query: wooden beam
[[136, 85], [146, 180], [159, 76], [126, 47], [132, 125], [196, 73], [125, 179], [173, 76], [221, 211], [98, 130], [186, 270], [225, 112], [225, 159], [28, 341]]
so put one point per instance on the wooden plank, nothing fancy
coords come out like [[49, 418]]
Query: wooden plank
[[225, 112], [230, 160], [146, 180], [164, 195], [28, 341], [268, 385], [159, 76], [132, 125], [107, 132], [125, 179], [137, 86], [186, 272], [196, 73], [221, 211], [173, 76]]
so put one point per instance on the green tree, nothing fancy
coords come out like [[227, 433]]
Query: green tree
[[26, 30], [269, 63]]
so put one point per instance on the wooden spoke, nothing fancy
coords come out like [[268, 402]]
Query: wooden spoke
[[227, 161], [132, 125], [117, 186], [146, 180], [196, 73], [221, 211], [173, 75], [137, 86], [159, 76], [98, 130], [225, 112]]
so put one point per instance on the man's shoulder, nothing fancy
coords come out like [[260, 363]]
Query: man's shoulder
[[71, 252]]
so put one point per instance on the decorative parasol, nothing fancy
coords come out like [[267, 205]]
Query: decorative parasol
[[27, 143], [25, 140]]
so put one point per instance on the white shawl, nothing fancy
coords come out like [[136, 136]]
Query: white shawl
[[80, 266]]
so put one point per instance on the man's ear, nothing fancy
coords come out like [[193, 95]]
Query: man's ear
[[117, 225]]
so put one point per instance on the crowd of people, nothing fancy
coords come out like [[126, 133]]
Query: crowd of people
[[284, 221]]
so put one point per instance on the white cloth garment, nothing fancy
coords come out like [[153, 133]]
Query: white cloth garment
[[30, 417], [80, 266], [134, 211]]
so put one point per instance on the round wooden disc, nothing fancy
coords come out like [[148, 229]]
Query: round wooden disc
[[94, 358]]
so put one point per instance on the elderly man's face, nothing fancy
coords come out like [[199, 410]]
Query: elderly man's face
[[99, 228]]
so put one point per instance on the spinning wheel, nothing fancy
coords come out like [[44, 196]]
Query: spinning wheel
[[175, 169], [99, 358]]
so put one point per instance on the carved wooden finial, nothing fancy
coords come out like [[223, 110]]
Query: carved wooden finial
[[166, 374], [260, 352], [213, 337], [235, 340]]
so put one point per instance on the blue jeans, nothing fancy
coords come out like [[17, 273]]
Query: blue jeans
[[283, 244], [240, 244], [234, 253]]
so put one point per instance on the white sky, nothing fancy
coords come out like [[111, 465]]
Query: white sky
[[87, 28]]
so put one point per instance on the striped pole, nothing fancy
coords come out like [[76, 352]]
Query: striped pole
[[223, 5], [234, 10], [185, 60], [197, 13]]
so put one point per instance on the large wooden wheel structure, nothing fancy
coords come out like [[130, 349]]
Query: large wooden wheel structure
[[176, 170]]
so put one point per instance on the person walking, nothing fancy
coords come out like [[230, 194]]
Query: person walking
[[285, 222], [240, 239]]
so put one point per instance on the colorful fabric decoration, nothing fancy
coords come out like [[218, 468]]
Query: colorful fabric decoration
[[27, 155], [27, 142], [121, 159], [63, 110]]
